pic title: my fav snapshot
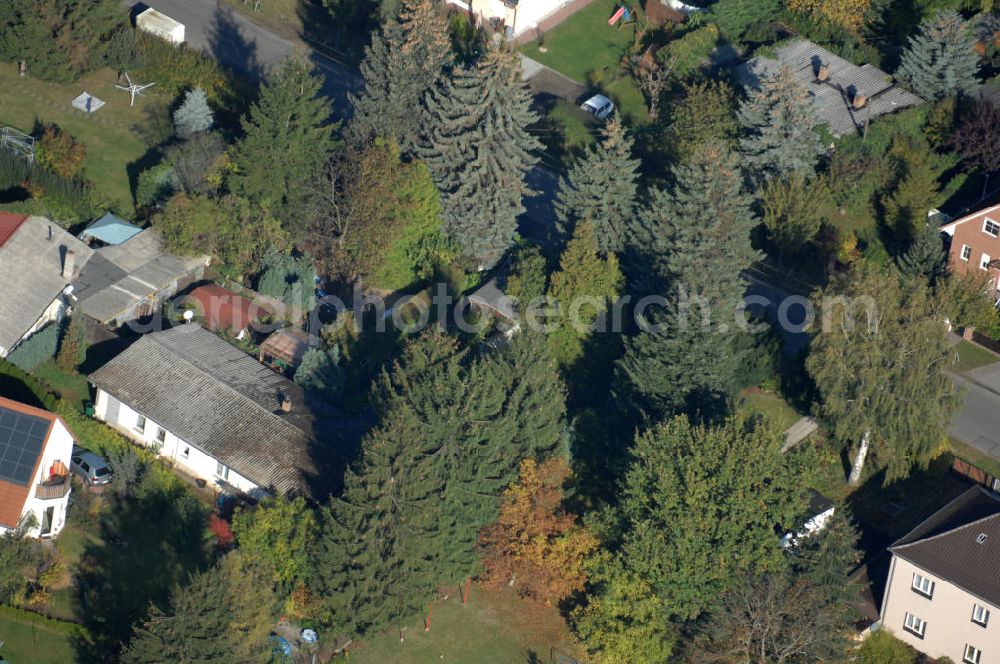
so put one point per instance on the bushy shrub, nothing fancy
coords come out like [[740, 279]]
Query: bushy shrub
[[693, 49], [37, 348], [288, 278], [882, 648], [59, 152], [156, 185]]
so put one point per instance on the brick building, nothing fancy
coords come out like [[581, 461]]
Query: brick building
[[975, 245]]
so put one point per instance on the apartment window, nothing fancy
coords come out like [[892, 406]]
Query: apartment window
[[980, 615], [186, 452], [991, 227], [915, 625], [972, 654], [923, 585], [984, 262], [140, 423], [966, 252], [161, 436], [221, 470]]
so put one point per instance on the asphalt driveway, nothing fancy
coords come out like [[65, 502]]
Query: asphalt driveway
[[977, 423]]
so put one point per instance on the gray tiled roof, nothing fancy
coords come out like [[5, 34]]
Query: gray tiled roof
[[950, 546], [832, 98], [31, 264], [219, 399]]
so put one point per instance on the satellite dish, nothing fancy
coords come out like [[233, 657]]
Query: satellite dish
[[188, 316]]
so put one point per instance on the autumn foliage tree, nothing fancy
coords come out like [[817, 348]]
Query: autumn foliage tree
[[851, 14], [535, 545], [60, 153]]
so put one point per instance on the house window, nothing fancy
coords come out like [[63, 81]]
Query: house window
[[161, 436], [980, 615], [186, 453], [140, 423], [991, 227], [966, 252], [221, 470], [972, 654], [923, 585], [915, 625], [984, 262]]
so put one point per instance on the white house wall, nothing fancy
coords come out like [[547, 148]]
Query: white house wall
[[182, 454], [58, 448]]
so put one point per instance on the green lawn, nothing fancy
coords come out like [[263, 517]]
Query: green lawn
[[629, 100], [28, 643], [110, 134], [971, 356], [584, 47], [72, 387], [771, 407], [495, 627]]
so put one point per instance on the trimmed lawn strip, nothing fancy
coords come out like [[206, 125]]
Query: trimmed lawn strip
[[495, 627], [110, 134], [771, 407], [30, 641], [972, 356], [584, 47]]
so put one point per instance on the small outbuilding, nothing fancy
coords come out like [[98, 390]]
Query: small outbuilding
[[285, 347], [109, 230], [161, 25]]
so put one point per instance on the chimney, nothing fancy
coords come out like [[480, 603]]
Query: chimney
[[860, 100], [69, 262], [286, 403], [823, 74]]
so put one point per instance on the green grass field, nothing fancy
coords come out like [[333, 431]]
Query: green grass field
[[495, 627], [584, 47], [971, 356], [111, 134], [771, 407], [28, 643]]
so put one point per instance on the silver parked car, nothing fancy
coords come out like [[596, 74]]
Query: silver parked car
[[598, 105], [90, 467]]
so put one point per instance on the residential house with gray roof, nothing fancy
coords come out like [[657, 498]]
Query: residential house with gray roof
[[846, 96], [215, 412], [943, 592]]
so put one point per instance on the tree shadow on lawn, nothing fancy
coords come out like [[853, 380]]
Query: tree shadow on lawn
[[147, 546]]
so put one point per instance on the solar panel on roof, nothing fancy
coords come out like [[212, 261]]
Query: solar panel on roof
[[21, 440]]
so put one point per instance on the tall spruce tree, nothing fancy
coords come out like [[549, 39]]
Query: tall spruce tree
[[779, 124], [215, 619], [878, 361], [402, 65], [940, 60], [926, 258], [701, 234], [287, 139], [194, 115], [601, 188], [454, 431], [478, 149]]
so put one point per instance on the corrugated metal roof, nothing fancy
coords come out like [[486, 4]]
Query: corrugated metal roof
[[110, 229], [121, 276], [31, 274], [833, 97], [960, 543], [219, 399]]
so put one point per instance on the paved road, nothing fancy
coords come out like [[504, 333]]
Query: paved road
[[239, 43], [978, 422]]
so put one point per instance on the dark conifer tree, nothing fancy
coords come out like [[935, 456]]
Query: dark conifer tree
[[287, 140], [701, 234], [402, 65], [601, 188], [478, 149]]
